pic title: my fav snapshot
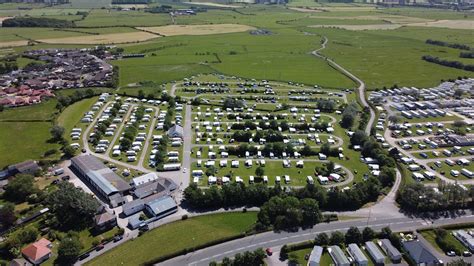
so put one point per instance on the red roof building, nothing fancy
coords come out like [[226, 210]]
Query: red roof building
[[37, 252]]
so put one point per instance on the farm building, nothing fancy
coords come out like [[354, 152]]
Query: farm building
[[338, 256], [150, 177], [107, 183], [133, 207], [161, 207], [391, 251], [315, 256], [420, 253]]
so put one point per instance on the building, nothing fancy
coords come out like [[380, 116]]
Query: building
[[420, 254], [375, 252], [161, 207], [338, 256], [315, 256], [150, 177], [37, 252], [466, 239], [176, 131], [27, 167], [105, 221], [357, 254], [105, 182], [393, 253], [161, 186], [133, 207]]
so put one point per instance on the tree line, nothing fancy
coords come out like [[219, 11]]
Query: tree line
[[31, 22], [448, 63], [446, 44]]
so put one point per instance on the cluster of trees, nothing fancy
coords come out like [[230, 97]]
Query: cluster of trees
[[269, 135], [64, 100], [233, 103], [21, 188], [7, 66], [162, 148], [129, 135], [37, 22], [349, 115], [72, 207], [274, 125], [417, 197], [168, 123], [20, 238], [235, 195], [288, 212], [248, 258], [442, 239], [448, 63], [327, 105], [451, 45]]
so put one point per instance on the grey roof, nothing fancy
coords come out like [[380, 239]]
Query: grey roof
[[357, 253], [374, 251], [161, 205], [133, 204], [101, 182], [134, 221], [390, 249], [419, 252], [88, 162], [176, 129], [338, 255], [315, 256]]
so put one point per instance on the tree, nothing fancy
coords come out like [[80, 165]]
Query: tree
[[7, 214], [310, 212], [141, 94], [69, 248], [337, 238], [2, 108], [353, 235], [394, 119], [458, 93], [358, 138], [69, 151], [368, 234], [20, 187], [322, 239], [57, 132], [458, 262], [260, 171], [72, 206]]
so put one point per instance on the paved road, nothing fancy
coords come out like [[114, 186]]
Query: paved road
[[145, 151], [272, 239]]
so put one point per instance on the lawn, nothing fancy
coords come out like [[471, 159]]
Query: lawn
[[430, 236], [71, 116], [153, 244], [37, 112], [20, 141]]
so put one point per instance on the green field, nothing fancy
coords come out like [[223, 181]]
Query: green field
[[153, 244], [430, 236], [20, 141], [71, 116], [38, 112]]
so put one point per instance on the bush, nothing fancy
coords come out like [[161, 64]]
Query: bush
[[184, 217], [37, 22]]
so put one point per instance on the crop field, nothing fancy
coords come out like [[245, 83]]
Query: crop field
[[173, 30], [111, 38]]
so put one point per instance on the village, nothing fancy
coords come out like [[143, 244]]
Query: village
[[55, 69]]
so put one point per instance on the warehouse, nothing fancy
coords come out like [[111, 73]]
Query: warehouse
[[161, 207], [103, 180]]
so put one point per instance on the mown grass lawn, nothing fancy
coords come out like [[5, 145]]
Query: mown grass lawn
[[71, 116], [42, 111], [183, 234], [430, 236]]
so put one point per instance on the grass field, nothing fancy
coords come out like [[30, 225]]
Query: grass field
[[42, 112], [174, 30], [430, 236], [20, 141], [152, 244], [71, 116]]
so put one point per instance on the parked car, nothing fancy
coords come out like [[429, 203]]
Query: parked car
[[467, 254], [451, 253], [269, 251], [118, 238], [99, 247], [83, 256]]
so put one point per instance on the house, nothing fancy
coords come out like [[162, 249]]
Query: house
[[176, 131], [420, 253], [133, 207], [105, 221], [161, 207], [315, 256], [37, 252]]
